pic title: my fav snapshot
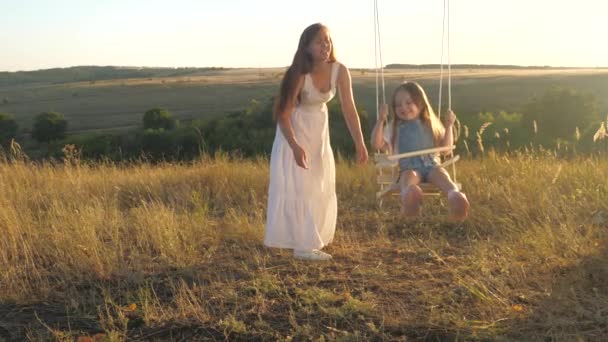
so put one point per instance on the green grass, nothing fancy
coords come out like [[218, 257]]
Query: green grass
[[174, 252]]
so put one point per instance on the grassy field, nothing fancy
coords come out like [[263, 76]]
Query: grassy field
[[174, 252], [120, 103]]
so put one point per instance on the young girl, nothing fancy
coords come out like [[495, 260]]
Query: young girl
[[302, 204], [416, 127]]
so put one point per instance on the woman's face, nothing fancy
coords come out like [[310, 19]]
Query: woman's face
[[320, 47]]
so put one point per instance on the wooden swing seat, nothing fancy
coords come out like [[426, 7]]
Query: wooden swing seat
[[387, 174]]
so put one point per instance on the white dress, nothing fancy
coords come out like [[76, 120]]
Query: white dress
[[302, 206]]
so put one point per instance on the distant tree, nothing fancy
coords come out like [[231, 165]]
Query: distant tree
[[157, 144], [559, 111], [49, 126], [8, 128], [157, 118]]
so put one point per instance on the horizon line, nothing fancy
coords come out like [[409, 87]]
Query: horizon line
[[387, 66]]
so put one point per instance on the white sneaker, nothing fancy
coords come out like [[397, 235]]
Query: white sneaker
[[313, 255]]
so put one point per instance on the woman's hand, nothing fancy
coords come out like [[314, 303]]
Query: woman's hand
[[362, 155], [300, 156]]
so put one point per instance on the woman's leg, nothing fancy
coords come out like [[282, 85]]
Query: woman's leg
[[411, 194], [458, 205]]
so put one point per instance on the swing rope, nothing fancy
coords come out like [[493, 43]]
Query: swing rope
[[439, 105], [449, 79], [449, 61], [378, 53], [446, 20]]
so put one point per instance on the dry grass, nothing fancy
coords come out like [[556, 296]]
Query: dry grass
[[174, 252]]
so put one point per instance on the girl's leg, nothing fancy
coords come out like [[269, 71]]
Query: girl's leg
[[411, 194], [457, 201]]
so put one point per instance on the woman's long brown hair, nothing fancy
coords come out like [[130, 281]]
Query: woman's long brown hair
[[301, 65], [427, 115]]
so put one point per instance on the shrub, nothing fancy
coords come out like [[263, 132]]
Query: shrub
[[8, 128], [559, 111], [157, 118], [49, 126]]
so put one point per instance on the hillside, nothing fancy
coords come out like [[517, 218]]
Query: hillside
[[91, 102]]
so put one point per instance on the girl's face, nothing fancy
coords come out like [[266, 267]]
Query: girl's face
[[320, 47], [405, 107]]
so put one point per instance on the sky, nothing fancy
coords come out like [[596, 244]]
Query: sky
[[46, 34]]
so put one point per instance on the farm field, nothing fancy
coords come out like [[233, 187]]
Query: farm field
[[120, 103]]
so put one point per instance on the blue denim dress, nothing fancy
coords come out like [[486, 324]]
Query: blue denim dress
[[413, 135]]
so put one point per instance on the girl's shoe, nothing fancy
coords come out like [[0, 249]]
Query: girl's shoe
[[313, 255]]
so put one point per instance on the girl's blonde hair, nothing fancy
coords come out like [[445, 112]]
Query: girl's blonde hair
[[427, 115]]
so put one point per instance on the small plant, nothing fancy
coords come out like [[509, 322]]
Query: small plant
[[479, 135], [71, 155], [601, 132]]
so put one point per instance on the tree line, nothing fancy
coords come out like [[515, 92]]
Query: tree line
[[561, 117]]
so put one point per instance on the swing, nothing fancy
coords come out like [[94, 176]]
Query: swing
[[387, 165]]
